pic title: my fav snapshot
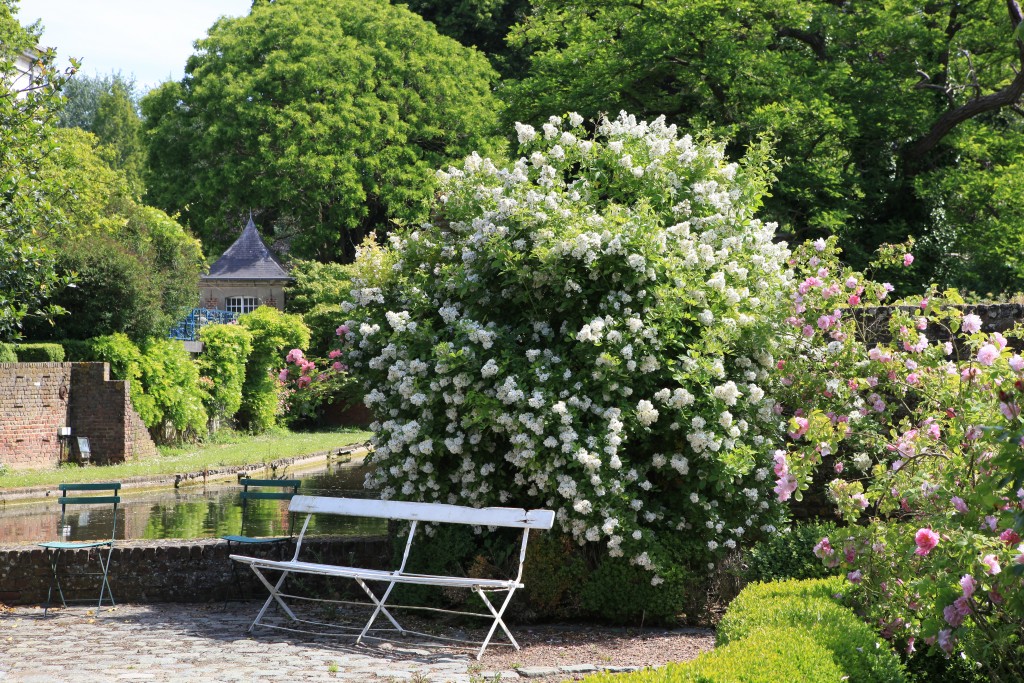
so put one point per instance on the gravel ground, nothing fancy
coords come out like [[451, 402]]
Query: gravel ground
[[557, 645]]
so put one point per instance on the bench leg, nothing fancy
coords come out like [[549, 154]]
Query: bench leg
[[380, 608], [497, 619], [274, 595]]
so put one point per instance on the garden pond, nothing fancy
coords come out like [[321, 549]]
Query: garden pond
[[197, 511]]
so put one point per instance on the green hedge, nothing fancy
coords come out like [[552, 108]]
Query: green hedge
[[7, 354], [785, 631], [40, 353], [771, 655]]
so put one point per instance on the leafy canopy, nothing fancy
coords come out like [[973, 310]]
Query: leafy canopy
[[326, 116], [891, 118]]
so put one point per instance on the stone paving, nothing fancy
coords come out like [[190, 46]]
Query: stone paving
[[188, 642], [169, 642]]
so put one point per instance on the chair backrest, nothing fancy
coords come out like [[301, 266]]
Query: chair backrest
[[425, 512], [255, 489], [112, 498]]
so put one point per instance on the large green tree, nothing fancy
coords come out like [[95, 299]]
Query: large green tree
[[107, 106], [29, 103], [136, 269], [326, 117], [892, 118]]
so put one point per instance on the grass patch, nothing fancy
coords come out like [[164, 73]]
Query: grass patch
[[226, 449]]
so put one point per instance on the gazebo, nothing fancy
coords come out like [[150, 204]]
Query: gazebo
[[245, 277]]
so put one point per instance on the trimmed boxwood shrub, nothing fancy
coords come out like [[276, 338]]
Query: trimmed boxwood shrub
[[7, 354], [78, 350], [809, 605], [781, 632], [40, 353], [770, 655]]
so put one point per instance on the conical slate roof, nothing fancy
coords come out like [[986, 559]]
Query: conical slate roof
[[247, 259]]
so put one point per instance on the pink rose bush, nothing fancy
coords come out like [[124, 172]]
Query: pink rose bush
[[924, 414]]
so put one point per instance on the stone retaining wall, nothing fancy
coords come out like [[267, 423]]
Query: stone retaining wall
[[173, 571]]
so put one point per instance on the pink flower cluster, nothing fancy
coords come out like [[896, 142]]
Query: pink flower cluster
[[786, 483]]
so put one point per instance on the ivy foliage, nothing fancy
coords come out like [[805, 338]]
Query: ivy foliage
[[327, 115]]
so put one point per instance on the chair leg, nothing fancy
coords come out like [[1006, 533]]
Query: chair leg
[[274, 595], [106, 573], [497, 620], [378, 610], [55, 557]]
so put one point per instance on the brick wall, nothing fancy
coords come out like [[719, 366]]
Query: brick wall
[[33, 404], [173, 571], [36, 399]]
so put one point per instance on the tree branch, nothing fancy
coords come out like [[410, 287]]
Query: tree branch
[[1005, 97], [812, 40]]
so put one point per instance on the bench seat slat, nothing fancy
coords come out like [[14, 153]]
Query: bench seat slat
[[375, 574], [424, 512]]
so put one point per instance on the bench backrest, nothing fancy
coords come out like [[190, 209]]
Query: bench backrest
[[424, 512]]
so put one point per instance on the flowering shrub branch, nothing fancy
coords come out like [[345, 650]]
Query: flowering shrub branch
[[589, 329], [922, 426]]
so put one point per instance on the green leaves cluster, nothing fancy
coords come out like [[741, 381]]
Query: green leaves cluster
[[272, 333], [328, 116]]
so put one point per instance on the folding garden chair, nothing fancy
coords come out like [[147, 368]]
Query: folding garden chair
[[103, 549], [255, 489]]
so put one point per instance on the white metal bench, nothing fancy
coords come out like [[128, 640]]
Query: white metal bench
[[413, 513]]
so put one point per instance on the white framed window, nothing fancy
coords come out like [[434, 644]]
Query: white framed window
[[241, 304]]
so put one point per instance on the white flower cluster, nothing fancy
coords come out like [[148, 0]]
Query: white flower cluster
[[565, 335]]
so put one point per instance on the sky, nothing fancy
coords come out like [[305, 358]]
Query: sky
[[149, 39]]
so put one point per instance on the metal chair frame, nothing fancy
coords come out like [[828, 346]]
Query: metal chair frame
[[247, 495], [56, 549]]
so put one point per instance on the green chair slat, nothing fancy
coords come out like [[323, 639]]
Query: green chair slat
[[103, 486], [89, 500], [290, 483], [266, 495], [253, 539]]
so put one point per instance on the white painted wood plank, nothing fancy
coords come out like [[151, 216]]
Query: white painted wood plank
[[424, 512]]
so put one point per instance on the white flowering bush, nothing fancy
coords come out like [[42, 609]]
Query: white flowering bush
[[590, 329]]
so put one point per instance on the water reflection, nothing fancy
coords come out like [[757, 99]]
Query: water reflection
[[194, 512]]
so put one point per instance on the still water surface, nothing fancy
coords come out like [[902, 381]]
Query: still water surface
[[191, 512]]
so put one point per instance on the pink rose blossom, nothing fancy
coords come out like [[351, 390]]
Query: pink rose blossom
[[342, 330], [283, 375], [988, 354], [1016, 363], [946, 640], [952, 615], [334, 353], [854, 576], [926, 540], [959, 504], [338, 366], [971, 323], [908, 259], [823, 549], [851, 282], [785, 487], [294, 356], [819, 244], [968, 584], [991, 564], [999, 340], [1009, 537]]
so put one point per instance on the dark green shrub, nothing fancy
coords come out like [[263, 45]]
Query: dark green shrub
[[789, 554], [78, 350], [40, 353], [809, 605], [621, 593], [7, 354]]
